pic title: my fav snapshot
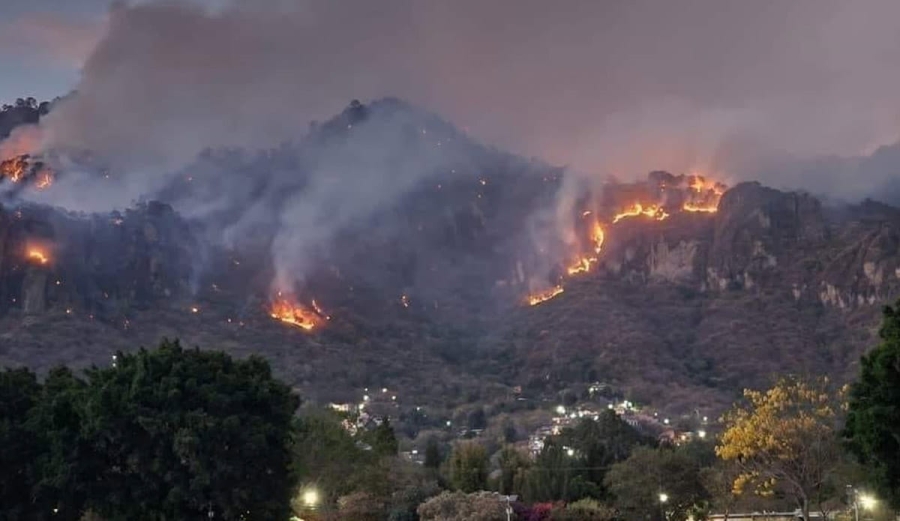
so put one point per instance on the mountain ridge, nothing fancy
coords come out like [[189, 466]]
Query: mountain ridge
[[425, 291]]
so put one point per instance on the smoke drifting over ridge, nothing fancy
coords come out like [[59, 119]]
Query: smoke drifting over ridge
[[606, 87], [741, 90]]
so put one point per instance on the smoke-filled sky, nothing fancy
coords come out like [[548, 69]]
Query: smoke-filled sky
[[743, 89]]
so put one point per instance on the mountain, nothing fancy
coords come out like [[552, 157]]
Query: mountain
[[419, 248], [688, 310]]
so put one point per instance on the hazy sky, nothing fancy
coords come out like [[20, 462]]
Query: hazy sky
[[617, 86]]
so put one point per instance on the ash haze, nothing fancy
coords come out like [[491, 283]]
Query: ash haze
[[740, 89]]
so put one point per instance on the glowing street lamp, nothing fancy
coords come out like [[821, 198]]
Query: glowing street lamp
[[310, 498], [867, 501], [663, 497], [861, 499]]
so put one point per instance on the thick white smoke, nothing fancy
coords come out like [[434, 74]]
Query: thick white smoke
[[732, 88]]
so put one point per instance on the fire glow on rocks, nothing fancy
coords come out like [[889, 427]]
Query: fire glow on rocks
[[544, 296], [583, 264], [37, 256], [694, 193], [291, 312], [13, 169], [26, 171], [637, 209]]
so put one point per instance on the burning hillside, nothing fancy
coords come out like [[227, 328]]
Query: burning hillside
[[25, 171], [661, 196], [290, 311]]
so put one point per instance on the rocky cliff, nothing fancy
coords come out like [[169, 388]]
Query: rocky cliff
[[686, 311]]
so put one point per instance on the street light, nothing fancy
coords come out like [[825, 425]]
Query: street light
[[867, 501], [663, 497], [311, 498]]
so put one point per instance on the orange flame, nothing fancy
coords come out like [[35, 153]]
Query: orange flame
[[653, 211], [583, 264], [44, 180], [704, 196], [599, 236], [296, 314], [544, 296], [37, 256], [13, 169], [700, 184]]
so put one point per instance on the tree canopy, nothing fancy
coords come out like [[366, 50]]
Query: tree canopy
[[785, 441], [639, 482], [873, 419], [162, 434], [19, 391]]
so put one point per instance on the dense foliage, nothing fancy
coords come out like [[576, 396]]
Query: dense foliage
[[785, 440], [162, 434], [873, 420]]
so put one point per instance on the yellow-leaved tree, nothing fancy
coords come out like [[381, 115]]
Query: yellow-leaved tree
[[785, 441]]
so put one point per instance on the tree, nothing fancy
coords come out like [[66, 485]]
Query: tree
[[718, 480], [19, 391], [69, 463], [573, 464], [785, 441], [468, 467], [361, 506], [432, 454], [457, 506], [638, 483], [554, 476], [382, 439], [326, 454], [600, 443], [873, 420], [513, 466], [477, 419], [188, 432]]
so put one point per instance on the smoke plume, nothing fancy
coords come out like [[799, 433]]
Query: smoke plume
[[796, 94]]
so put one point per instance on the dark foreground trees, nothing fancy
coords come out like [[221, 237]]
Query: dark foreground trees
[[19, 392], [873, 420], [166, 434]]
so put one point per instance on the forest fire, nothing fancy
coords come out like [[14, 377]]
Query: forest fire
[[599, 236], [544, 296], [704, 195], [681, 193], [291, 312], [37, 256], [44, 180], [653, 211], [14, 169], [701, 184], [583, 264], [21, 169]]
